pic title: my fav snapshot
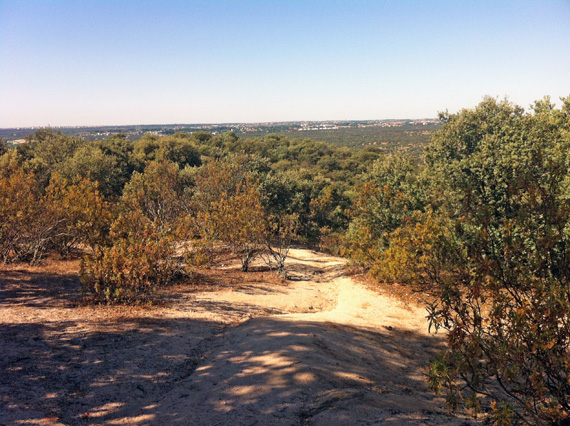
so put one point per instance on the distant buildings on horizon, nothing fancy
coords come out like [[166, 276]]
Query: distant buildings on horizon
[[16, 135]]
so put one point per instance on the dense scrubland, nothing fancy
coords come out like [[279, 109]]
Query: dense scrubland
[[409, 137], [482, 220], [388, 135]]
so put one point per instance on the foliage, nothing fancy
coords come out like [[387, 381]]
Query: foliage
[[81, 212], [505, 179], [311, 179], [140, 261], [217, 179], [423, 251], [157, 194], [46, 150], [394, 190], [236, 218], [91, 162], [329, 207], [178, 149]]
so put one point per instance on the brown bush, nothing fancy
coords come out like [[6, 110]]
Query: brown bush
[[27, 222], [140, 261], [82, 215]]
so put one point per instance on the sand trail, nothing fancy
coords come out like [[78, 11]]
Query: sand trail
[[361, 361], [320, 349]]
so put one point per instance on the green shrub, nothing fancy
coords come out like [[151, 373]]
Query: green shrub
[[505, 176]]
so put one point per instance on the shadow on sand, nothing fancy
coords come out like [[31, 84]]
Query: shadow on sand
[[270, 371]]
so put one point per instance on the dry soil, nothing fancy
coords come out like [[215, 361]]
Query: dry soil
[[226, 348]]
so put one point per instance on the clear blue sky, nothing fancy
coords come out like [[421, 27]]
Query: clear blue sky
[[137, 62]]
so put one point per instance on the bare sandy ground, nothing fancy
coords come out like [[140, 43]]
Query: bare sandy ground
[[320, 349]]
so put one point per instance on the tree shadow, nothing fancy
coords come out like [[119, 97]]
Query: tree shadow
[[258, 282], [282, 371], [61, 370], [312, 260], [39, 289], [274, 370], [301, 272], [235, 309]]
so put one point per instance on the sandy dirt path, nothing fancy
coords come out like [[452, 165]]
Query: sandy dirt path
[[320, 349], [359, 362]]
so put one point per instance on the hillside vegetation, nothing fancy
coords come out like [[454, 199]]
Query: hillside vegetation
[[483, 222], [387, 136]]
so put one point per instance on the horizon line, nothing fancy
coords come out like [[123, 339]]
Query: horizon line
[[49, 126]]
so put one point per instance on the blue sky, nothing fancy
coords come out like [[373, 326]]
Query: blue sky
[[101, 62]]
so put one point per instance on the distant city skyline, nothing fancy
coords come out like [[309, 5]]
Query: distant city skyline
[[96, 63]]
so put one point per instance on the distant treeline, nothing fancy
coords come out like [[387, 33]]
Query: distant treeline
[[410, 137]]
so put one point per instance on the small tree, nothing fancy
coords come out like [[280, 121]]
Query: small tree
[[32, 222], [83, 216], [24, 222], [281, 232], [157, 194], [237, 220]]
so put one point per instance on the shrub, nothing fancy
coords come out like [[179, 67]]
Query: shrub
[[157, 194], [140, 261], [83, 216], [392, 193], [424, 251], [507, 308]]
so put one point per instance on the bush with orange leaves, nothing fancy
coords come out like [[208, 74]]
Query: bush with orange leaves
[[140, 257], [237, 219], [34, 221], [141, 260]]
